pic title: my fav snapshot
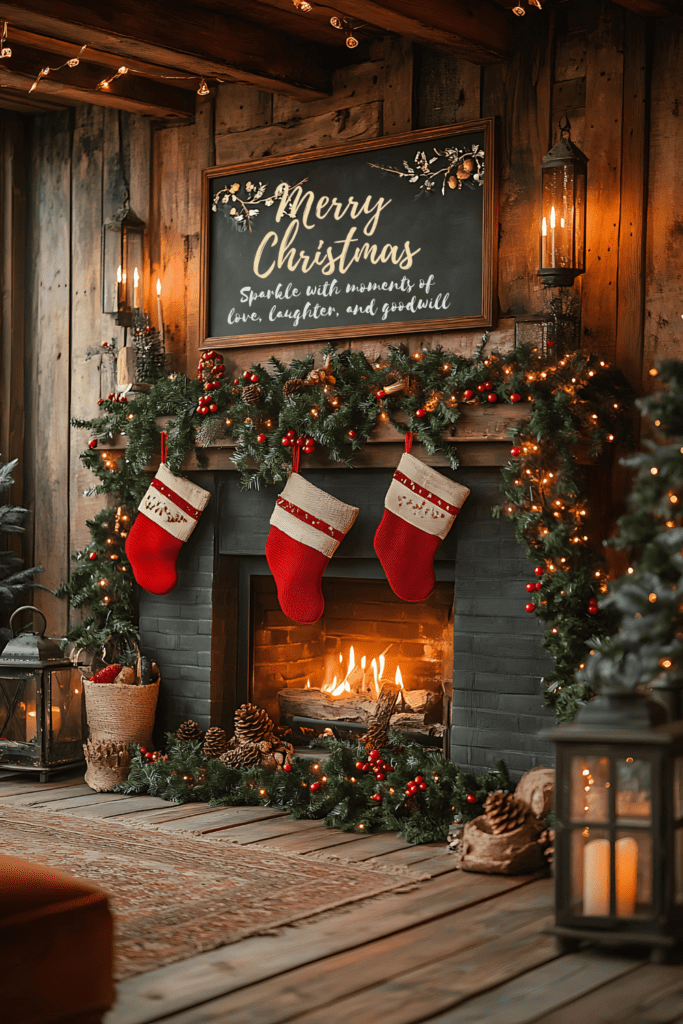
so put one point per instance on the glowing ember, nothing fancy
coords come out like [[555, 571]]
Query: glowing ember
[[399, 678]]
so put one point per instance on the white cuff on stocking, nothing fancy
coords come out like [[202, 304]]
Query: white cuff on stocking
[[423, 497], [311, 516], [173, 503]]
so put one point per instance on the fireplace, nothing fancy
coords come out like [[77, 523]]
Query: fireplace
[[470, 654], [331, 672]]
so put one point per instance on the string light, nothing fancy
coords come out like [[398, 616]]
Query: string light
[[303, 6], [5, 51], [203, 89], [106, 82]]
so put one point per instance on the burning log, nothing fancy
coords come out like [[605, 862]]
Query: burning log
[[386, 702], [356, 707]]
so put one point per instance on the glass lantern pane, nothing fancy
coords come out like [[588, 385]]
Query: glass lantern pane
[[589, 781], [678, 864], [580, 219], [557, 213], [678, 788], [590, 872], [633, 873], [134, 267], [65, 713], [111, 267], [634, 790], [19, 714]]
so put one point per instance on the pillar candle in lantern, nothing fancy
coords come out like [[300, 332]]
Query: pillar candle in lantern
[[596, 878], [626, 871], [136, 284]]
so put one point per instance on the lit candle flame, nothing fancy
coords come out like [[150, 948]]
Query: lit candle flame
[[552, 216], [119, 276], [308, 684], [544, 228], [158, 287]]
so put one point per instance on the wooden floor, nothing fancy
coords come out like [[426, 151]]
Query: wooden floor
[[449, 948]]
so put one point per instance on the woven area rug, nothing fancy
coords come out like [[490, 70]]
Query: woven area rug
[[174, 896]]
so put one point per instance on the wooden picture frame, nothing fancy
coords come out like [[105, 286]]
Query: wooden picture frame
[[253, 264]]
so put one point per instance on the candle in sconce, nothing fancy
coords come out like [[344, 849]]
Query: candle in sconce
[[596, 877], [552, 236], [136, 284], [160, 313], [119, 287]]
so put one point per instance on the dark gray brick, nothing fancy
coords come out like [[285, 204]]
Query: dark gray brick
[[204, 659], [197, 643], [198, 611], [183, 627], [160, 641]]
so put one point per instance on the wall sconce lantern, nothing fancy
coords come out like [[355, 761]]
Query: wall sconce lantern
[[122, 265], [41, 705], [563, 211], [619, 826]]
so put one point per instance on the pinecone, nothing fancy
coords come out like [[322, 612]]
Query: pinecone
[[376, 737], [275, 752], [252, 394], [215, 742], [546, 841], [293, 387], [244, 755], [188, 731], [252, 724], [504, 812], [432, 400]]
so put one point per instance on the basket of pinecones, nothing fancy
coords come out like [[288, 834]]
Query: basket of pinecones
[[108, 764], [504, 839]]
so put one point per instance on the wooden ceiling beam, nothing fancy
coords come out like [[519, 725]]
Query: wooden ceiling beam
[[203, 43], [129, 92], [652, 8], [12, 99], [66, 49], [477, 30]]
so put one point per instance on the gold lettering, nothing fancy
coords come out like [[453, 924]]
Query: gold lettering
[[269, 239]]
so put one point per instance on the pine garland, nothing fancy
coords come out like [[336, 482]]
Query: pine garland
[[333, 789], [578, 399]]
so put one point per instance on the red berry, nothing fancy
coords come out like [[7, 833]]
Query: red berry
[[471, 798], [93, 443], [308, 449], [204, 410], [380, 394], [315, 786], [515, 397], [420, 413], [539, 570], [143, 750], [247, 374], [351, 434], [550, 343], [287, 767], [213, 407], [99, 401], [373, 755], [236, 380], [367, 767], [123, 400], [530, 587], [480, 387], [286, 442], [593, 609], [537, 586], [419, 778], [208, 387], [515, 450], [199, 408], [165, 757], [380, 776], [529, 607], [492, 397], [110, 395], [487, 385], [359, 764], [376, 797], [92, 556], [291, 434], [261, 438], [389, 768], [468, 394], [423, 785], [254, 378]]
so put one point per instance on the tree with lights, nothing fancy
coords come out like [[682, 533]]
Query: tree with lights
[[648, 599]]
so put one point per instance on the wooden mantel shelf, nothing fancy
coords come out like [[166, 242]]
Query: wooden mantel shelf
[[482, 436]]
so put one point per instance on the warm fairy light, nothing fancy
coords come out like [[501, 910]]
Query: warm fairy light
[[228, 422], [314, 412], [630, 570], [262, 792], [417, 356], [670, 523], [652, 598], [665, 663], [653, 372], [203, 89], [654, 470], [673, 499]]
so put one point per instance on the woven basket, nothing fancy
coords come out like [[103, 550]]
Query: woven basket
[[121, 713], [102, 778]]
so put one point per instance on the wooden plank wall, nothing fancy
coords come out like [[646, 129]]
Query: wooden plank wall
[[613, 73]]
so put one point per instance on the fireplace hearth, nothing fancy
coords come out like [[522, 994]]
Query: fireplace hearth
[[469, 656]]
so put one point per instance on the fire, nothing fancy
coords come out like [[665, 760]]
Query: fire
[[357, 678]]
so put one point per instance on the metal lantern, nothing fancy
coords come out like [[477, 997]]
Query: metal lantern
[[563, 211], [619, 826], [41, 705], [123, 250]]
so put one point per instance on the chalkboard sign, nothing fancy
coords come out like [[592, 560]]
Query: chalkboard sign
[[380, 237]]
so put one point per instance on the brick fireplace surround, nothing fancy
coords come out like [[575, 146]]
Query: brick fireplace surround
[[200, 633]]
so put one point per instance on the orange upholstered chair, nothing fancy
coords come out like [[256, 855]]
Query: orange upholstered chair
[[56, 947]]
